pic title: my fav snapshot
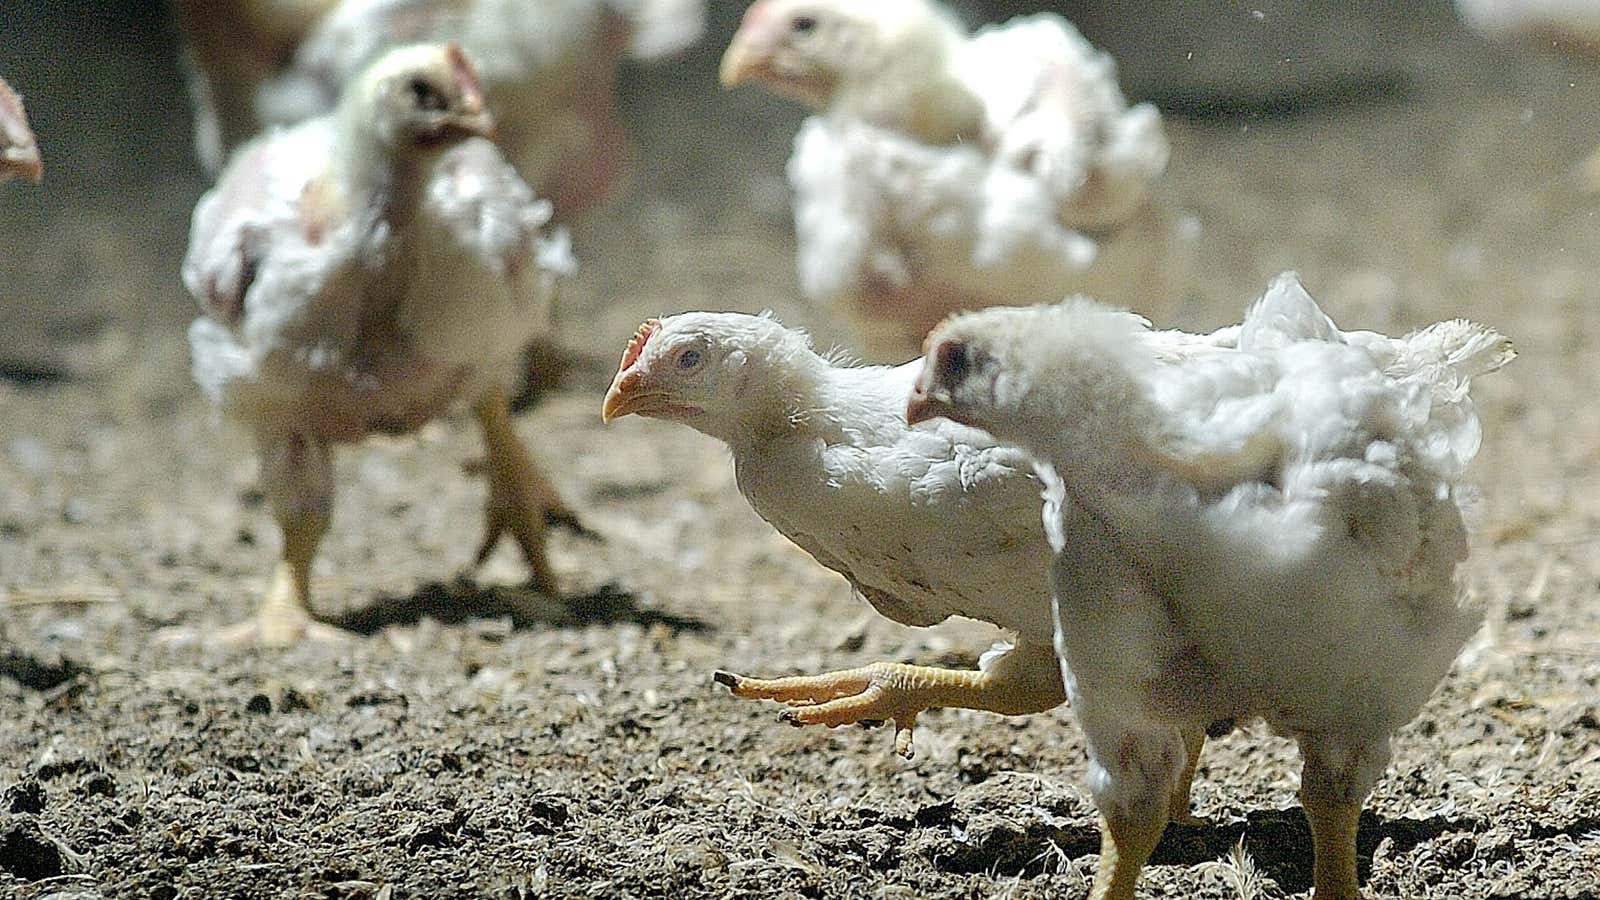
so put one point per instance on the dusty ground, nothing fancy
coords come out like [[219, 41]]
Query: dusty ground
[[476, 740]]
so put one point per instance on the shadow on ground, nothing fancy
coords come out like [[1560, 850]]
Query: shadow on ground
[[1278, 840], [463, 599]]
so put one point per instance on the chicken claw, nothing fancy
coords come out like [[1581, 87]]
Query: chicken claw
[[888, 692], [281, 621], [522, 502]]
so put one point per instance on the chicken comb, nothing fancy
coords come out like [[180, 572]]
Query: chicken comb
[[466, 74], [637, 342]]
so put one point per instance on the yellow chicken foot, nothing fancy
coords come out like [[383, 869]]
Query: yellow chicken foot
[[283, 617], [893, 692], [522, 502]]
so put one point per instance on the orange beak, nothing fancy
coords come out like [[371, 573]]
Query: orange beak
[[625, 397], [750, 52], [922, 408], [740, 63], [475, 120]]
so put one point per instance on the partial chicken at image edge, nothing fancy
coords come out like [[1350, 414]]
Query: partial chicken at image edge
[[1270, 532], [19, 149], [359, 273], [924, 521]]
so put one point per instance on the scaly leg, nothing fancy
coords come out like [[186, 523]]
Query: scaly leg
[[522, 502], [896, 692], [1126, 843], [297, 475], [1134, 767], [1333, 817], [1193, 743]]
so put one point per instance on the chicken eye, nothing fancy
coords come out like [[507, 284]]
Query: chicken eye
[[689, 359], [804, 24], [953, 362], [427, 97]]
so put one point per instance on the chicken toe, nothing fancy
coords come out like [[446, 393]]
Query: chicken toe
[[522, 502], [282, 619], [890, 692]]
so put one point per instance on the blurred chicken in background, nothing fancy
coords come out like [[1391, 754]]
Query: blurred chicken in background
[[1571, 26], [945, 170], [232, 47], [548, 68]]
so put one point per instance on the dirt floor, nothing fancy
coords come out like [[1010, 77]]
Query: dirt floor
[[472, 739]]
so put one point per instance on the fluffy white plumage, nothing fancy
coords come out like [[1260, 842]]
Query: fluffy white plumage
[[331, 312], [1266, 530], [946, 171], [359, 273], [924, 521]]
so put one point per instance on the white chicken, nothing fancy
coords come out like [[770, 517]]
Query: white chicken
[[548, 68], [19, 150], [925, 521], [359, 273], [1269, 530], [947, 171]]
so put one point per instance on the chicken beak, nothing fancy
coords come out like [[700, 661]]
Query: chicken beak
[[922, 407], [21, 162], [741, 62], [476, 120], [749, 54], [929, 399], [474, 117], [624, 398]]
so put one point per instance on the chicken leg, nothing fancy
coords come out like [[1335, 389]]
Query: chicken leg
[[1126, 842], [522, 502], [297, 475], [1193, 743], [897, 692], [1134, 767], [1333, 818]]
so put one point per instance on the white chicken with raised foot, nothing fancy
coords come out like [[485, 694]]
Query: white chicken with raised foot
[[925, 521], [945, 170], [359, 273], [1268, 531]]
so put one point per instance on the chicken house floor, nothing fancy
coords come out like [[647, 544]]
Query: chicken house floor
[[473, 739]]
